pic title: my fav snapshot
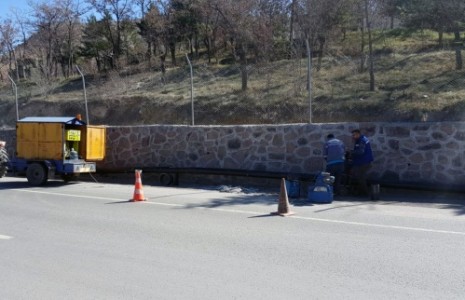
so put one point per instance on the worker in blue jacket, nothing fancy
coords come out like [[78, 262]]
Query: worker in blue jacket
[[362, 156], [333, 152]]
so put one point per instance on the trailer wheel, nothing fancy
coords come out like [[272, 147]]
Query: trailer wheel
[[166, 179], [3, 162], [36, 174]]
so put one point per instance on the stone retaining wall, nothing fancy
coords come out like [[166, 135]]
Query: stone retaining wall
[[405, 152]]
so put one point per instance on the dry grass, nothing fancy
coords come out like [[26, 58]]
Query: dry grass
[[413, 79]]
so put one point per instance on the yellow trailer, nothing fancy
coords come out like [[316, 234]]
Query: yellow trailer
[[65, 146]]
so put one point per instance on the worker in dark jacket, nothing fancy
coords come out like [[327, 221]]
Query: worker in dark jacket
[[334, 154], [362, 156]]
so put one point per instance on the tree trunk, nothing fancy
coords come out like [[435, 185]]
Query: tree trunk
[[440, 38], [163, 67], [191, 48], [370, 49], [243, 67], [16, 65], [321, 42], [291, 28], [172, 47], [207, 43], [458, 50], [149, 54], [362, 46], [196, 45], [97, 61]]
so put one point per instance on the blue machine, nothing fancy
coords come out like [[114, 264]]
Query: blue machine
[[322, 190]]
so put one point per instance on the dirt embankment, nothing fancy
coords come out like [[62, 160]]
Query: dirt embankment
[[142, 111]]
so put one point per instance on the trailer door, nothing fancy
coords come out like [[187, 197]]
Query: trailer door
[[94, 143]]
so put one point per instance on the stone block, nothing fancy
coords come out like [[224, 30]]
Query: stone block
[[259, 167], [278, 140], [398, 131], [315, 137], [457, 162], [158, 138], [452, 146], [257, 134], [276, 156], [394, 144], [438, 136], [234, 144], [427, 168], [411, 176], [431, 146], [422, 139], [303, 152], [212, 135], [240, 156], [302, 141], [421, 127], [290, 136], [193, 157], [406, 151], [230, 163], [443, 159], [275, 166], [416, 158], [447, 129], [459, 135]]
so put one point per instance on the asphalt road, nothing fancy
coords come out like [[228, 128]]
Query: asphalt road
[[86, 241]]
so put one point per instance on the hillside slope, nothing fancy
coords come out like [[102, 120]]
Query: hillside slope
[[415, 81]]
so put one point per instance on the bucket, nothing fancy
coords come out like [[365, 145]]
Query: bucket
[[320, 193], [293, 188]]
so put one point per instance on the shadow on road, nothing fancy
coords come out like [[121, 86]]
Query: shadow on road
[[21, 184], [120, 202], [234, 199], [264, 216], [439, 200]]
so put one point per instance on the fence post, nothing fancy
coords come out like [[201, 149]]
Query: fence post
[[85, 93], [16, 96], [192, 89], [309, 80]]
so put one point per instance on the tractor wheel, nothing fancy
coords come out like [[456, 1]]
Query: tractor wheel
[[3, 162], [36, 174]]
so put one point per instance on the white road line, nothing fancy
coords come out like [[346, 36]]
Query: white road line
[[259, 213], [321, 220], [70, 195], [5, 237], [379, 225]]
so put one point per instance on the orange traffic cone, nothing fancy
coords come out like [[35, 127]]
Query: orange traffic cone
[[283, 204], [138, 193]]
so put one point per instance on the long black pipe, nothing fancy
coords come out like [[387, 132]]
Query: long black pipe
[[291, 176]]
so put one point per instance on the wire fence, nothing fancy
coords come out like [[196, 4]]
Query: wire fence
[[408, 87]]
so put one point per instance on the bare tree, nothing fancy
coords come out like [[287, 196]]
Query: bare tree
[[391, 9], [71, 10], [144, 6], [9, 36], [209, 27], [239, 21], [316, 20], [121, 11], [150, 28], [22, 23], [47, 19], [371, 71]]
